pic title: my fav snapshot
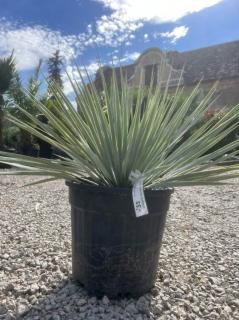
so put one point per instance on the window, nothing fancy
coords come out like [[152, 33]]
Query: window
[[151, 74]]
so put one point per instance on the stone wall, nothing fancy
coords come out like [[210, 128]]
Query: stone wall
[[229, 92]]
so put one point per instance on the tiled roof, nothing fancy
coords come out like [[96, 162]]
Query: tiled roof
[[210, 63]]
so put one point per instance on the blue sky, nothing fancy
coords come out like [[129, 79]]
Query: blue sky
[[85, 30]]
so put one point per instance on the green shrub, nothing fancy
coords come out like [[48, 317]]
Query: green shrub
[[11, 136]]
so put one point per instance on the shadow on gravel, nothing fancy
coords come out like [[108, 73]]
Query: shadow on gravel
[[69, 300]]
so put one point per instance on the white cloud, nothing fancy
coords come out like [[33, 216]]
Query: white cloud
[[132, 56], [127, 16], [118, 27], [127, 57], [175, 34], [146, 37], [32, 43], [110, 54], [155, 11], [112, 30]]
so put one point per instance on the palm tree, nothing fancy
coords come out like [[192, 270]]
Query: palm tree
[[7, 69]]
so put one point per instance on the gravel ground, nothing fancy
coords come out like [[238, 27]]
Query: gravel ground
[[198, 274]]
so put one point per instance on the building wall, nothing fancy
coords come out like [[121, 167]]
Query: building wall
[[228, 89], [229, 92], [156, 58], [198, 66]]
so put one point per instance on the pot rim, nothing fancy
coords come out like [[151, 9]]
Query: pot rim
[[119, 190]]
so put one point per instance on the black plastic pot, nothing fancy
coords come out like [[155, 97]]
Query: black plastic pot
[[4, 166], [114, 253]]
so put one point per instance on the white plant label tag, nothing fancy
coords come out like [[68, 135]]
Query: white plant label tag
[[140, 205]]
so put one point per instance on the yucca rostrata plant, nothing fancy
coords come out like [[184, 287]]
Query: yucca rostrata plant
[[106, 143], [111, 144]]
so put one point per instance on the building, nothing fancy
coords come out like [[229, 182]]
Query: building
[[216, 63]]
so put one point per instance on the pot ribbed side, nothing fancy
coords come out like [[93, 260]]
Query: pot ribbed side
[[114, 253]]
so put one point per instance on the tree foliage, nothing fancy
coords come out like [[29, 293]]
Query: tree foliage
[[7, 69], [18, 96], [54, 68]]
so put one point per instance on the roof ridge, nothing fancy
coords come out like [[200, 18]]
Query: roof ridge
[[209, 47]]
